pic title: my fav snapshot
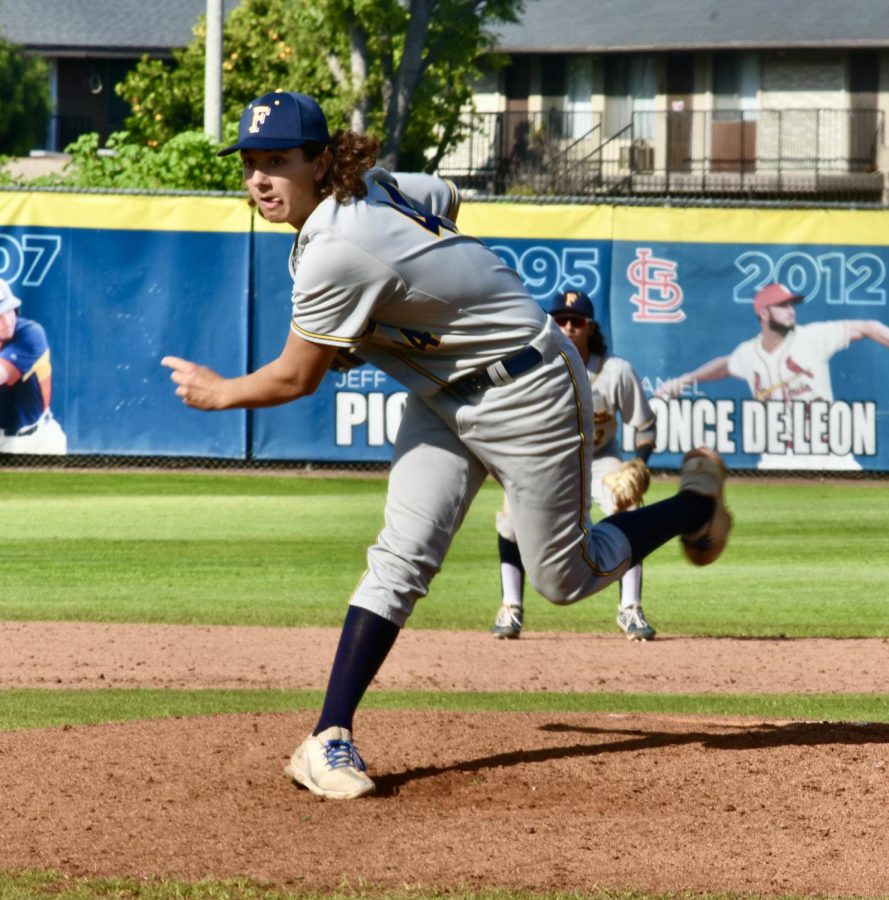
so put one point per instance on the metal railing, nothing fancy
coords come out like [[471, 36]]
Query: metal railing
[[761, 152]]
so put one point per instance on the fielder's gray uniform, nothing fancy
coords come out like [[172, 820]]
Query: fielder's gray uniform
[[616, 390], [391, 277]]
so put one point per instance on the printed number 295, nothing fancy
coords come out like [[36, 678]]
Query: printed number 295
[[545, 271]]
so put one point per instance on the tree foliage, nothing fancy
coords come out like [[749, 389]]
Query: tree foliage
[[400, 69], [187, 161], [24, 100]]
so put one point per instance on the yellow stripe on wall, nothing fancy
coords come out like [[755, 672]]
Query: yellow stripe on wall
[[526, 220], [751, 226], [131, 212], [124, 212]]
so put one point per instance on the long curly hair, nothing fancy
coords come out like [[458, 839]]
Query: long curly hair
[[596, 341], [353, 154]]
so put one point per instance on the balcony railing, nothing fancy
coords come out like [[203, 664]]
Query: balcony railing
[[777, 152]]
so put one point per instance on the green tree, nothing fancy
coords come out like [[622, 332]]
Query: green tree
[[400, 69], [24, 100], [187, 161]]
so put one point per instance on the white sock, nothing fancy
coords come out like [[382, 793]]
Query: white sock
[[512, 578], [631, 587]]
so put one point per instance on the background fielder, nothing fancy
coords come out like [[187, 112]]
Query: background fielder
[[618, 396]]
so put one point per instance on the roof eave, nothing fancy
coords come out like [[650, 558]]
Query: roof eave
[[97, 52], [870, 44]]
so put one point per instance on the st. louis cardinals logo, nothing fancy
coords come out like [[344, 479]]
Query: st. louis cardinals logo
[[260, 113], [658, 295]]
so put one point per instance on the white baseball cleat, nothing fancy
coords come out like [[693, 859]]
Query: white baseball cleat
[[704, 472], [329, 766], [631, 620], [508, 623]]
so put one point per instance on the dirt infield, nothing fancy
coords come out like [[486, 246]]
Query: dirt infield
[[539, 801]]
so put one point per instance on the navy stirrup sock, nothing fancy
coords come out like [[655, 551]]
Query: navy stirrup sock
[[365, 642], [509, 552], [650, 526]]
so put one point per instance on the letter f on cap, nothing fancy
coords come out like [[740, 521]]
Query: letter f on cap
[[259, 116]]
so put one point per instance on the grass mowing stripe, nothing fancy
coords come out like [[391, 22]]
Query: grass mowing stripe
[[42, 708], [231, 549]]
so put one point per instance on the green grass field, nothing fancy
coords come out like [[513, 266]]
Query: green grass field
[[806, 559]]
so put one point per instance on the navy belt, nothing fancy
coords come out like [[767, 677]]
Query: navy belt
[[513, 366]]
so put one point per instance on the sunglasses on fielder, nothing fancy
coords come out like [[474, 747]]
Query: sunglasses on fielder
[[576, 321]]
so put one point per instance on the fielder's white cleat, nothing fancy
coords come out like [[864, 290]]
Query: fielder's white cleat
[[329, 766], [508, 623], [704, 472], [631, 620]]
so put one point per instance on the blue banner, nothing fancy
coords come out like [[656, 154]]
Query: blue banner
[[119, 282], [114, 300], [814, 401]]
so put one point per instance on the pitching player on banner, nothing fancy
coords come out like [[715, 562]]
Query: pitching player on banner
[[787, 363], [494, 388], [615, 485]]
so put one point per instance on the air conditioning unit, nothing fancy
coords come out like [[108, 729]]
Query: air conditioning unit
[[638, 156]]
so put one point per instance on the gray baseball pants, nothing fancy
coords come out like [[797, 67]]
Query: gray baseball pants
[[533, 436]]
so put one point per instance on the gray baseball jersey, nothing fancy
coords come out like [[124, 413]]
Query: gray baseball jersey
[[392, 277], [616, 391]]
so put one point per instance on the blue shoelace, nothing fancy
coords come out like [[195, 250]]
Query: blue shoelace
[[342, 754]]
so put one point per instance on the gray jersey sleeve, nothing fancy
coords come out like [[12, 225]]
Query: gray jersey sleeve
[[336, 288], [633, 405]]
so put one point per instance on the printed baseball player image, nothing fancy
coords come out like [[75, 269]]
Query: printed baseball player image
[[26, 421], [788, 364], [495, 388], [618, 396]]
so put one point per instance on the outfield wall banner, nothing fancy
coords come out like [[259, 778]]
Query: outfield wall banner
[[117, 283], [120, 281], [817, 401]]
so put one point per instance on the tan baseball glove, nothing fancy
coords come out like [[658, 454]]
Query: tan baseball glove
[[628, 484]]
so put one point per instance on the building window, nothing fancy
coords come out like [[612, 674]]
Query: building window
[[630, 93]]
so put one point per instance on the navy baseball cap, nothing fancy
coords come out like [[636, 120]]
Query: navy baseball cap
[[572, 303], [278, 120], [8, 300]]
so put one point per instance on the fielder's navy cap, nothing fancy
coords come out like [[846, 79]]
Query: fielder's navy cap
[[572, 303], [278, 120], [8, 300]]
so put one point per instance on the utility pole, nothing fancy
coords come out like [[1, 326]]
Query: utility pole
[[213, 71]]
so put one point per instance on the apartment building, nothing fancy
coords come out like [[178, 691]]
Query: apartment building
[[779, 98], [752, 97]]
